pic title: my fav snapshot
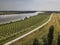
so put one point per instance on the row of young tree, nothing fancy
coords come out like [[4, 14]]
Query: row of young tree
[[48, 40]]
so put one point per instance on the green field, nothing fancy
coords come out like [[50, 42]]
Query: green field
[[42, 33], [15, 29]]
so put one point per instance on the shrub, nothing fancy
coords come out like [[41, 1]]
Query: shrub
[[45, 40], [25, 18], [36, 42], [58, 39], [50, 35]]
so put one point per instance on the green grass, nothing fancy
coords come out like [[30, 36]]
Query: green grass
[[39, 34], [13, 30]]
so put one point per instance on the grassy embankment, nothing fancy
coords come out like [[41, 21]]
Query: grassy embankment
[[42, 33], [13, 30]]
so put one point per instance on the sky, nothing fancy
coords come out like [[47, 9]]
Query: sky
[[19, 5]]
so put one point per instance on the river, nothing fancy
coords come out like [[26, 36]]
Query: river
[[15, 17]]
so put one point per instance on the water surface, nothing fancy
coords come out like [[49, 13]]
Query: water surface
[[15, 17]]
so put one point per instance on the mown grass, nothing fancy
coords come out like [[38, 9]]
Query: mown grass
[[13, 30]]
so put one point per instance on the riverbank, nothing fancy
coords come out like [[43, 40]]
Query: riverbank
[[13, 30], [15, 17]]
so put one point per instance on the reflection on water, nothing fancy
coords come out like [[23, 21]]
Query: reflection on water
[[15, 17]]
